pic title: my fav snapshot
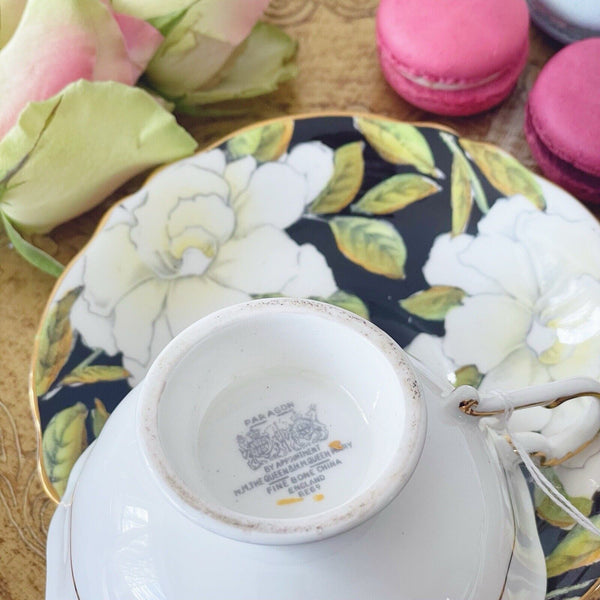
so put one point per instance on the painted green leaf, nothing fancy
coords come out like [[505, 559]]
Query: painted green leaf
[[373, 244], [396, 193], [477, 190], [504, 172], [94, 374], [348, 170], [434, 303], [63, 441], [467, 375], [546, 509], [399, 143], [54, 342], [99, 416], [265, 143], [578, 548], [348, 302], [461, 198], [32, 254]]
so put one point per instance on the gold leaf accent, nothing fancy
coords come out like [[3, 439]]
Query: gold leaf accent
[[396, 193], [399, 143], [461, 198], [373, 244], [63, 441], [94, 374], [434, 303], [265, 143], [504, 172], [348, 171], [578, 548], [99, 416], [54, 342], [467, 375]]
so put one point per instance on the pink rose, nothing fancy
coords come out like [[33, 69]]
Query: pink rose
[[58, 42]]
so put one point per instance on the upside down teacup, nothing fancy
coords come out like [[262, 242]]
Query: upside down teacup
[[289, 448]]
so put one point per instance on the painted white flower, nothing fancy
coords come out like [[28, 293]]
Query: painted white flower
[[201, 235], [531, 314]]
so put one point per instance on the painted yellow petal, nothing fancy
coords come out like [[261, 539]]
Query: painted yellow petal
[[99, 149]]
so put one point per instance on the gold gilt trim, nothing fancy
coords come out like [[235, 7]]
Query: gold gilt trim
[[33, 399], [593, 593]]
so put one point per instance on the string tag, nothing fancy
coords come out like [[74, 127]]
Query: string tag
[[536, 474]]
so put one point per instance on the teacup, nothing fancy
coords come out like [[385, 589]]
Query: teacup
[[307, 431], [282, 421]]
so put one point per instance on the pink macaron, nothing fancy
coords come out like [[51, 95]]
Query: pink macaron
[[453, 57], [562, 123]]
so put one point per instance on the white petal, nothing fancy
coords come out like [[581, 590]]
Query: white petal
[[503, 216], [314, 161], [95, 330], [428, 350], [165, 193], [584, 481], [521, 368], [161, 337], [573, 424], [445, 266], [135, 317], [563, 204], [238, 173], [213, 160], [112, 267], [485, 330], [275, 196], [573, 309], [192, 298], [558, 247], [260, 263], [314, 276], [506, 262], [582, 360], [209, 212]]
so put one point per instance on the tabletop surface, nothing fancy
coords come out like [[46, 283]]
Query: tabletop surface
[[339, 71]]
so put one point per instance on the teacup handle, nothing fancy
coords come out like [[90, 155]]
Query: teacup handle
[[471, 402]]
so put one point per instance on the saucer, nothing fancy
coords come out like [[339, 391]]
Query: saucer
[[460, 528], [411, 226]]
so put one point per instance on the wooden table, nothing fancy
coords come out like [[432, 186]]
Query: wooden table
[[338, 71]]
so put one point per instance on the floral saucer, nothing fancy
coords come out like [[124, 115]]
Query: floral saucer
[[485, 272]]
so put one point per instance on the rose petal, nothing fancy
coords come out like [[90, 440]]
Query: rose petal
[[141, 41], [485, 330]]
